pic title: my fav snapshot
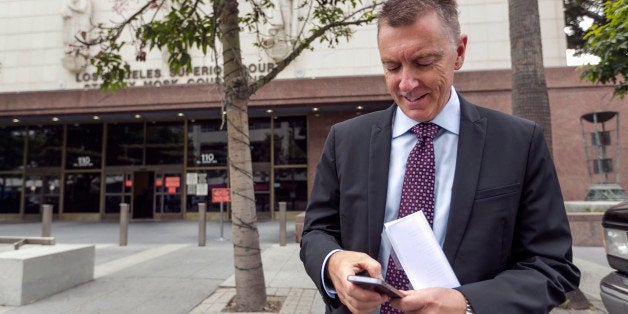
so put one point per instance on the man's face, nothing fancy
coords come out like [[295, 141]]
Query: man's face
[[419, 62]]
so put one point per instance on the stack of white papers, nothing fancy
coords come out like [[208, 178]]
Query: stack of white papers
[[415, 248]]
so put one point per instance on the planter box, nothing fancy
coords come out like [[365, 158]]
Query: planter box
[[586, 228], [35, 271]]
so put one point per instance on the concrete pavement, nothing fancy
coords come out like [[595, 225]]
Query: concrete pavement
[[163, 270]]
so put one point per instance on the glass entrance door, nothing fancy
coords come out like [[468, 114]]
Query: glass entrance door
[[168, 194], [41, 189], [143, 191], [152, 193], [118, 189]]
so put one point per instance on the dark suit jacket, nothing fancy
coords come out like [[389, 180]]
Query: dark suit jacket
[[508, 238]]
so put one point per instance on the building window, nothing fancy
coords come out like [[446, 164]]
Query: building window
[[41, 189], [278, 145], [260, 139], [207, 144], [168, 193], [261, 187], [84, 146], [199, 185], [81, 193], [125, 144], [45, 144], [12, 148], [164, 143], [291, 187], [117, 190], [10, 193], [260, 134], [290, 141]]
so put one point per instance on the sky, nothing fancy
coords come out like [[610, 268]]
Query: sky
[[580, 60], [583, 59]]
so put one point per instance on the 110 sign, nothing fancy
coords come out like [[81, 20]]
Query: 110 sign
[[208, 159], [83, 161]]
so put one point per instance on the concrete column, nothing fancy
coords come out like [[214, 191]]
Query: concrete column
[[202, 223], [46, 219], [282, 223], [124, 223]]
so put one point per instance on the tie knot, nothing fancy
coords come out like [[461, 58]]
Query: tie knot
[[425, 130]]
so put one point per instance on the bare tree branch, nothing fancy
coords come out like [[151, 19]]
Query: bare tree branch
[[119, 28]]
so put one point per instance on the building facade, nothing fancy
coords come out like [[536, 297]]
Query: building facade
[[160, 145]]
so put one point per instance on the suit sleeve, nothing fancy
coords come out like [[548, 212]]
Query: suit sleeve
[[539, 270], [321, 230]]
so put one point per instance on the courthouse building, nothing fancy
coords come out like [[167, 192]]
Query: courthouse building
[[161, 146]]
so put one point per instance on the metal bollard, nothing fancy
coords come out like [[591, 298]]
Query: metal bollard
[[222, 224], [46, 219], [124, 223], [202, 223], [282, 223]]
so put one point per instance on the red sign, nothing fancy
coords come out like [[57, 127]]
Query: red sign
[[221, 195], [173, 182]]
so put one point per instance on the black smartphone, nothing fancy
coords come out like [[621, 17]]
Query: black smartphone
[[375, 284]]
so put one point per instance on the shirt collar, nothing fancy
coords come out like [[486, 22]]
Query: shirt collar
[[448, 119]]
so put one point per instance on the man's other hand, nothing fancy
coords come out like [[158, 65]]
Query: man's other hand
[[431, 300]]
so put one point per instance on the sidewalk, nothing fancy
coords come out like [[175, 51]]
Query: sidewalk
[[284, 275], [163, 270]]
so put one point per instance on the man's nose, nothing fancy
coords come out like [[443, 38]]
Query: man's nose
[[408, 81]]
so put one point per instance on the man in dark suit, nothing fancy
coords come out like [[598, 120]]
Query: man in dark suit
[[498, 210]]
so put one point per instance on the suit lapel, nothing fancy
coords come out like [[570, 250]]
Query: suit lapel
[[379, 157], [469, 158]]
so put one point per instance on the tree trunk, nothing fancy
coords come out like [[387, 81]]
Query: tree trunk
[[249, 274], [529, 90]]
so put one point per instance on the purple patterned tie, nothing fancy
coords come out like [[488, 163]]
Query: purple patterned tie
[[417, 193]]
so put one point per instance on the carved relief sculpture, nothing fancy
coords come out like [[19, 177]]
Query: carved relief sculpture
[[278, 41], [77, 15]]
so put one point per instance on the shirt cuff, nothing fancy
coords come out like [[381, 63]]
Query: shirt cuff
[[330, 291]]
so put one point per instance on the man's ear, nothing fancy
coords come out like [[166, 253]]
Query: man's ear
[[461, 48]]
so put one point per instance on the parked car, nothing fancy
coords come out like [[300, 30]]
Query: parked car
[[614, 287]]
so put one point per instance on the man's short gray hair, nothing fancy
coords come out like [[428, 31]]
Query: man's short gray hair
[[396, 13]]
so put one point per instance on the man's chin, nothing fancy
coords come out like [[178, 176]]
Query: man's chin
[[419, 114]]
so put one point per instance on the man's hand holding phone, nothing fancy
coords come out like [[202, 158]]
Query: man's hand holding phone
[[344, 263]]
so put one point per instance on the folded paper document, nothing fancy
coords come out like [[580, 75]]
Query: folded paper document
[[415, 248]]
